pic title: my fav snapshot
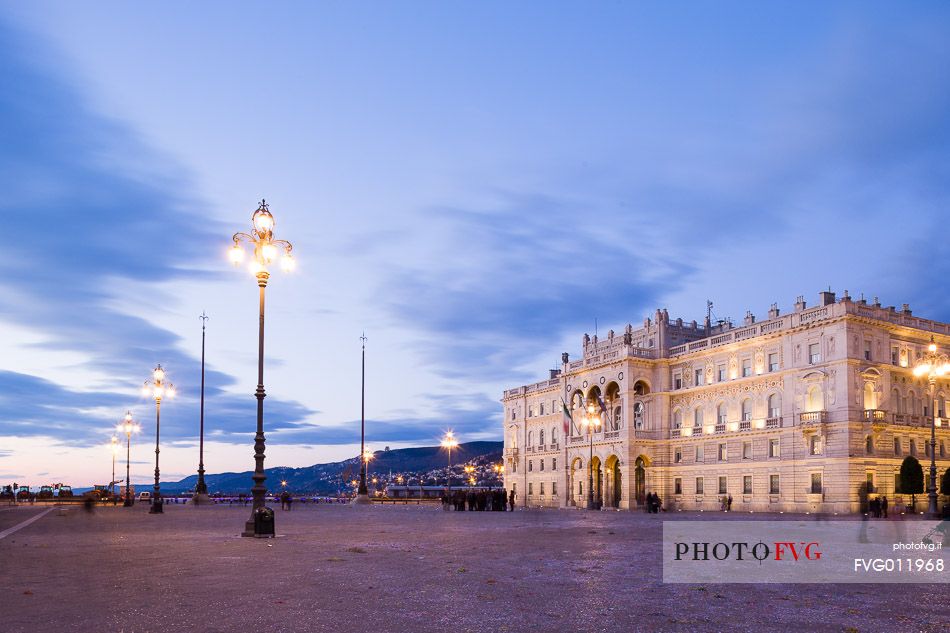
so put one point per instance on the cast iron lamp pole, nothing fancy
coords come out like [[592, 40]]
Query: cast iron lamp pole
[[201, 489], [266, 252], [115, 450], [127, 426], [158, 388], [591, 421], [933, 366], [362, 494], [449, 442]]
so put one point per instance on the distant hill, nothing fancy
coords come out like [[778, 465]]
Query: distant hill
[[331, 477]]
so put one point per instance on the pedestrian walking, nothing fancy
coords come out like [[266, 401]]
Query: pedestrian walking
[[884, 506], [511, 500]]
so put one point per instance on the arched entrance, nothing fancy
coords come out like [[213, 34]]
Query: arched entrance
[[640, 481], [575, 486], [614, 487], [598, 483]]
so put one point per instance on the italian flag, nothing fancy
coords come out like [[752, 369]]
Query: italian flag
[[568, 418]]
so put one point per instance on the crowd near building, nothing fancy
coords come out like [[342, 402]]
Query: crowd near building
[[810, 411]]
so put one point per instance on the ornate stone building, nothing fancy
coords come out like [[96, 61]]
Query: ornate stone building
[[799, 412]]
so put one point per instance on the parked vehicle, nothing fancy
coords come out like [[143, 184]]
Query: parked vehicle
[[65, 492], [24, 493], [46, 492], [144, 496]]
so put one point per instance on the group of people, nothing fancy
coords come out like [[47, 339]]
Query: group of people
[[725, 503], [877, 507], [481, 500], [286, 501], [654, 504]]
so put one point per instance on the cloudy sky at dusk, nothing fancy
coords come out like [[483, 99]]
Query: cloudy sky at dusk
[[472, 185]]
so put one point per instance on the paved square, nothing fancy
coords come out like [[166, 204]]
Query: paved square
[[403, 568]]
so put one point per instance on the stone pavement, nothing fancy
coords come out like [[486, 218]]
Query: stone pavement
[[399, 568]]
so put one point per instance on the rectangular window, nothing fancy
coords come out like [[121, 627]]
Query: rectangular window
[[815, 445], [530, 488], [869, 479], [541, 411], [867, 350], [542, 488], [722, 485], [554, 463], [699, 485], [700, 375], [721, 373], [531, 412], [554, 488], [530, 465], [747, 450], [775, 449], [678, 455], [677, 486], [542, 464], [746, 367], [894, 356], [773, 361], [816, 483], [678, 382], [512, 414], [814, 354], [773, 485], [722, 453], [699, 454], [747, 485], [897, 483]]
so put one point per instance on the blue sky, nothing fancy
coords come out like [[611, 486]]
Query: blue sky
[[472, 185]]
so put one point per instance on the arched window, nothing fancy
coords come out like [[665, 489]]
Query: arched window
[[530, 438], [541, 437], [870, 396], [747, 409], [775, 405], [698, 416], [541, 409], [897, 446], [721, 414], [554, 435], [638, 415], [641, 388], [869, 445], [677, 419], [618, 417], [814, 401]]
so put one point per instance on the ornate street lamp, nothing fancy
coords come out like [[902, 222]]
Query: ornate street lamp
[[266, 252], [592, 422], [201, 489], [933, 366], [362, 494], [448, 443], [157, 387], [127, 426]]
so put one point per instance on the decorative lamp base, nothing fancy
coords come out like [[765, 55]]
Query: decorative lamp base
[[361, 500], [200, 499]]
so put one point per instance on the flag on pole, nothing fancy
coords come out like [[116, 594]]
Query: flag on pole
[[600, 400], [567, 419]]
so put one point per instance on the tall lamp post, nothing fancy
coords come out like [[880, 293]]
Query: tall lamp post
[[157, 387], [362, 494], [127, 426], [933, 366], [448, 443], [266, 252], [592, 422], [201, 489]]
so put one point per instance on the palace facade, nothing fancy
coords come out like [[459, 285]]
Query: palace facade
[[802, 412]]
